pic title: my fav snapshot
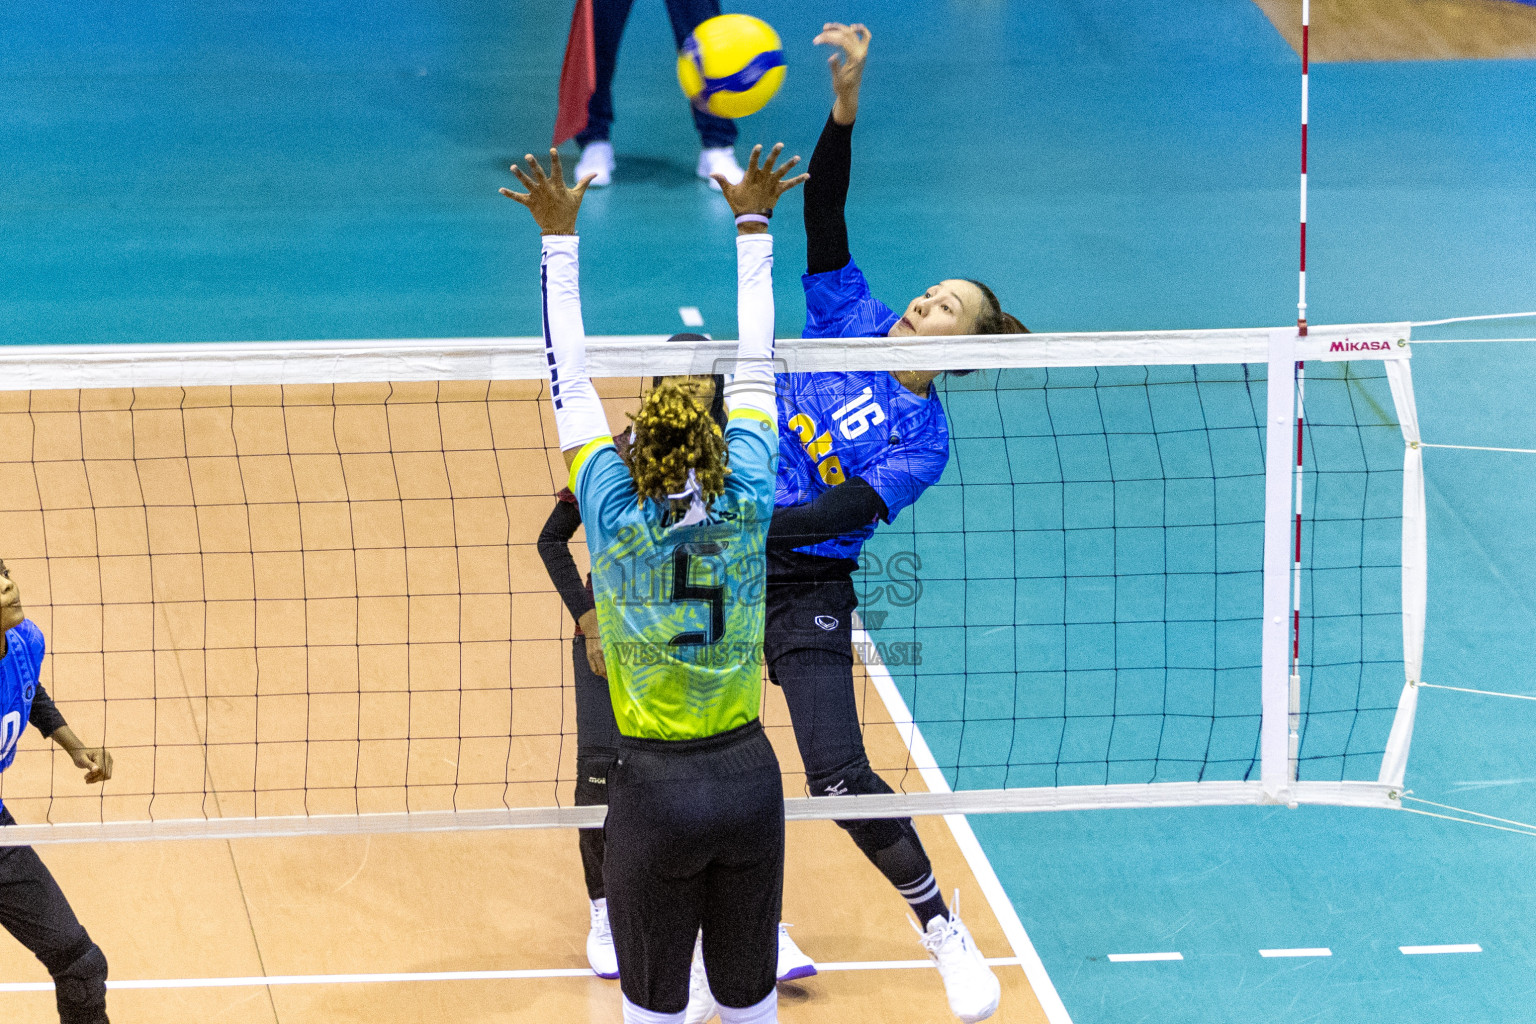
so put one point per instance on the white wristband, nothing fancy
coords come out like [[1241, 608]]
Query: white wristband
[[751, 218]]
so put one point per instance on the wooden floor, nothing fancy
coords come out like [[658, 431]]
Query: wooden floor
[[1358, 30]]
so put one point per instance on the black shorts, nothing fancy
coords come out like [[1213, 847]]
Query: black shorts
[[695, 839], [809, 607]]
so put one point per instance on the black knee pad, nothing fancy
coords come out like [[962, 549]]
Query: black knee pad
[[80, 983], [592, 790], [855, 778], [592, 777], [904, 861], [872, 835]]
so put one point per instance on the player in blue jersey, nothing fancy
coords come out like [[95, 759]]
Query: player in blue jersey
[[854, 450], [694, 838], [32, 907]]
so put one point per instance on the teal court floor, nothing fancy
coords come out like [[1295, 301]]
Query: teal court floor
[[278, 170]]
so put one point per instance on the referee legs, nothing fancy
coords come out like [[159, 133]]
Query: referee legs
[[34, 910]]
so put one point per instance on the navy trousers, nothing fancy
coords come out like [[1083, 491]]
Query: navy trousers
[[608, 18]]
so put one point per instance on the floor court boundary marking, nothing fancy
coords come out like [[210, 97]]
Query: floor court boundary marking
[[256, 981], [1024, 953]]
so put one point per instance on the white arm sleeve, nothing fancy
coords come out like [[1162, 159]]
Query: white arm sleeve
[[579, 415], [752, 386]]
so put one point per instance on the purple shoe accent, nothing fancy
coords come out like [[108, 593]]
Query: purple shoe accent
[[796, 973]]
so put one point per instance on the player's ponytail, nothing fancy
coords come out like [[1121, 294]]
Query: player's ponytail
[[992, 319], [675, 434]]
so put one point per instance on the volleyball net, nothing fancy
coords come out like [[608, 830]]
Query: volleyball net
[[295, 587]]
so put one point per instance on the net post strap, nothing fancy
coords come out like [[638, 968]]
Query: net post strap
[[1280, 452], [1415, 563]]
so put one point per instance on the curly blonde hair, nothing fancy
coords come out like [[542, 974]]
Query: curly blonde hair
[[673, 434]]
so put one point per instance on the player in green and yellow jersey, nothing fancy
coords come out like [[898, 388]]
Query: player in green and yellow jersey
[[695, 828]]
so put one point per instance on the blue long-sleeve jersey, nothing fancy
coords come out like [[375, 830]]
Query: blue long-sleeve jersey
[[19, 670], [833, 426]]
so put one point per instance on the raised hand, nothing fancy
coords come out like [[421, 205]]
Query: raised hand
[[553, 205], [761, 186], [847, 66]]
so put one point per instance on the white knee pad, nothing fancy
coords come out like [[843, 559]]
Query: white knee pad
[[634, 1014], [765, 1012]]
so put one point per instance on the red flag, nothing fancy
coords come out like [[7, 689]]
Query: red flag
[[578, 76]]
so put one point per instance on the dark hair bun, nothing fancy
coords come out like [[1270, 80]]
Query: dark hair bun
[[1011, 325]]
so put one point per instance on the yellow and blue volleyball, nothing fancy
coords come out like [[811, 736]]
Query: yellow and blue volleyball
[[731, 65]]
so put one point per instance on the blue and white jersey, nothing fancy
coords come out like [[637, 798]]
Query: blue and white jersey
[[839, 304], [19, 670], [833, 426]]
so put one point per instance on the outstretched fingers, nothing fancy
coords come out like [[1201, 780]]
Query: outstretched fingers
[[538, 171], [519, 196], [556, 170], [799, 179], [786, 166], [757, 152], [773, 156]]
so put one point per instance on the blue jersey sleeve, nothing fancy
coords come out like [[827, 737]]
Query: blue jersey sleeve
[[904, 471], [752, 442], [838, 304], [604, 491], [36, 648]]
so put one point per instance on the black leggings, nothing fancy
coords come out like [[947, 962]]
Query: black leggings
[[34, 910], [809, 647], [695, 839], [597, 744]]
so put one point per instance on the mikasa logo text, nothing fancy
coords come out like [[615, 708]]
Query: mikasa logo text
[[1360, 346]]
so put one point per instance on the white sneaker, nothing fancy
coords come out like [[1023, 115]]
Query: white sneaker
[[701, 1001], [793, 964], [600, 952], [596, 158], [721, 161], [972, 988]]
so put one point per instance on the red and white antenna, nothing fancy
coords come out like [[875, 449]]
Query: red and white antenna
[[1301, 386], [1306, 25]]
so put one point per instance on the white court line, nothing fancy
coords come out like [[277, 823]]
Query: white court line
[[1304, 951], [1463, 947], [903, 965], [975, 856], [1139, 958], [691, 316], [416, 976]]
